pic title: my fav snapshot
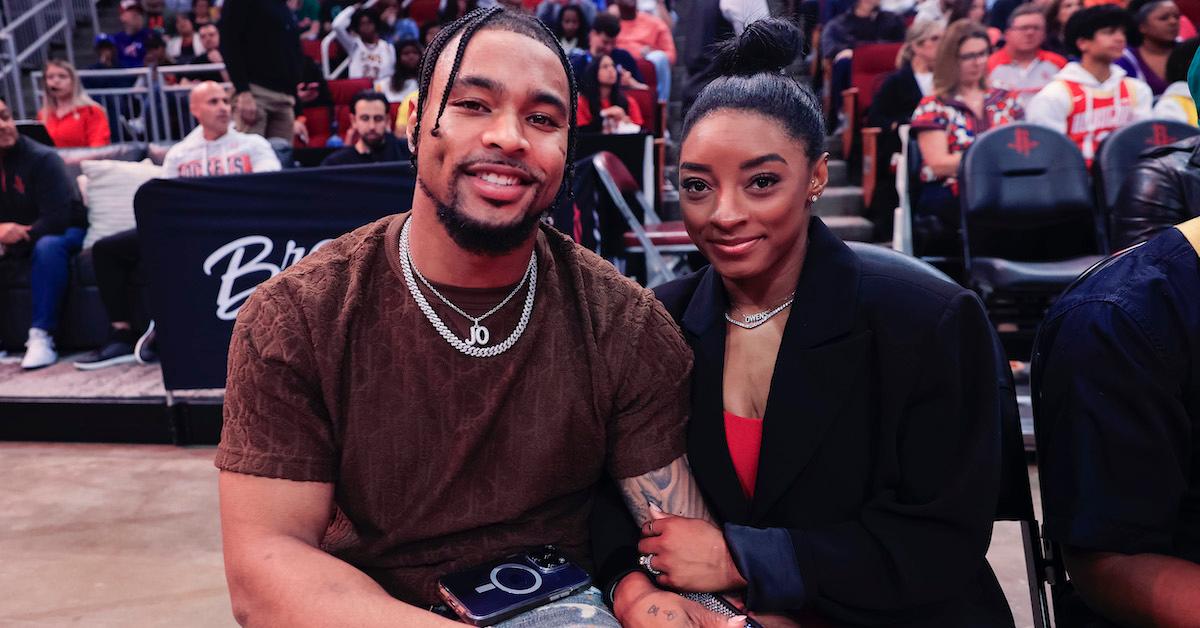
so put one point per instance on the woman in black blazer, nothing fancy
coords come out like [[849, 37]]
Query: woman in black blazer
[[845, 415]]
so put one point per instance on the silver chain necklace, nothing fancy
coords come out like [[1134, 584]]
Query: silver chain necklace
[[756, 320], [479, 334]]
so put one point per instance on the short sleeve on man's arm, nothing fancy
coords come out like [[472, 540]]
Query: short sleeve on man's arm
[[276, 424], [1114, 440], [647, 431]]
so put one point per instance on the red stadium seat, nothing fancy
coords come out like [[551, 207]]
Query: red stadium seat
[[312, 49], [423, 11], [649, 75], [342, 90], [871, 64], [341, 113], [319, 126]]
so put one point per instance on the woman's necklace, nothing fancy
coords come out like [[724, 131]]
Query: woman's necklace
[[755, 320], [480, 335]]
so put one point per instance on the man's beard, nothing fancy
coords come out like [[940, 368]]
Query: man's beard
[[376, 143], [476, 236]]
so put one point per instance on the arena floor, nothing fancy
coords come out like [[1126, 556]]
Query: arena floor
[[127, 535]]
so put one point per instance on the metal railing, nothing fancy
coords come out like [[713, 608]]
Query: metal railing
[[27, 36], [326, 44], [144, 104]]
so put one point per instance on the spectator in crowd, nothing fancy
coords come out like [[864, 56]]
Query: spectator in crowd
[[864, 24], [893, 106], [371, 134], [648, 37], [477, 220], [602, 107], [1057, 15], [974, 10], [946, 123], [261, 46], [210, 41], [204, 12], [572, 28], [156, 52], [710, 22], [928, 10], [211, 149], [1176, 102], [106, 59], [429, 30], [1091, 98], [550, 12], [844, 514], [1155, 36], [370, 56], [311, 92], [602, 41], [184, 45], [1120, 406], [71, 117], [42, 224], [398, 26], [131, 40], [1022, 66], [403, 79], [1163, 188], [308, 17]]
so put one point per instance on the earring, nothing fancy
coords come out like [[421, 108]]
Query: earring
[[813, 198]]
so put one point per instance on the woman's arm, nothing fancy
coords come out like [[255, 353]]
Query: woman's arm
[[936, 155]]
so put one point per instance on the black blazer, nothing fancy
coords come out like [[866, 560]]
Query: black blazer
[[880, 464]]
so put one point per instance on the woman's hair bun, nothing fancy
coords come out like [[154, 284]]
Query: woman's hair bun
[[767, 45]]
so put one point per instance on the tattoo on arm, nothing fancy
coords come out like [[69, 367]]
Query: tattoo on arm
[[672, 488]]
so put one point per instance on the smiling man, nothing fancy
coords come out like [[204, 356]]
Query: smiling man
[[446, 387]]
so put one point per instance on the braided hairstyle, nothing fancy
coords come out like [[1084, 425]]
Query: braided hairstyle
[[497, 18]]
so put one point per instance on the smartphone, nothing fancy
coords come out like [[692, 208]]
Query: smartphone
[[720, 606], [501, 589]]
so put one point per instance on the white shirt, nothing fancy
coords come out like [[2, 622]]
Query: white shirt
[[175, 47], [373, 61], [232, 153], [925, 82], [384, 86]]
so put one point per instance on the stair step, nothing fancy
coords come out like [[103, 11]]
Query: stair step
[[853, 228], [839, 174], [840, 201]]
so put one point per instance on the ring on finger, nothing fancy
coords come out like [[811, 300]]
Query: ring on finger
[[644, 561]]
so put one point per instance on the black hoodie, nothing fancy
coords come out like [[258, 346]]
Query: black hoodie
[[36, 190]]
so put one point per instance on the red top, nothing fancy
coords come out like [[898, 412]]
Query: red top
[[583, 113], [745, 441], [85, 126]]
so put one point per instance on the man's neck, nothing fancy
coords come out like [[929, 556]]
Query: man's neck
[[1022, 57], [442, 261], [1099, 68]]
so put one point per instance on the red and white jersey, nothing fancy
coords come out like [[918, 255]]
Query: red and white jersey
[[232, 153], [1023, 81], [1087, 110]]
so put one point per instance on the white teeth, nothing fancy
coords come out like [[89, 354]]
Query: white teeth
[[496, 179]]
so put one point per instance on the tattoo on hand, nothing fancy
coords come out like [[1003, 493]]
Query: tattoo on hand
[[672, 488], [669, 615], [653, 610]]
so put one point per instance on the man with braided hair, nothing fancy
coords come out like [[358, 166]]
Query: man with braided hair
[[446, 387]]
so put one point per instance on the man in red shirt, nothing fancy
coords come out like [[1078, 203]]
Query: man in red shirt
[[648, 37], [1021, 66]]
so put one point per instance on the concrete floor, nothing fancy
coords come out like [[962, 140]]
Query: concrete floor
[[128, 535]]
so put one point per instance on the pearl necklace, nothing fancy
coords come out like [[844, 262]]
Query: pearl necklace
[[756, 320], [479, 333]]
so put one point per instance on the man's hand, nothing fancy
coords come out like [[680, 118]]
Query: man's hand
[[638, 603], [691, 553], [627, 80], [246, 107], [12, 232], [214, 56], [300, 130]]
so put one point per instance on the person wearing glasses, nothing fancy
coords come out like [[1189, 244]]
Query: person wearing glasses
[[1022, 66], [961, 107]]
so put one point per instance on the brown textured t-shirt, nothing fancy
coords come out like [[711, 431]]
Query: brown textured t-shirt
[[441, 461]]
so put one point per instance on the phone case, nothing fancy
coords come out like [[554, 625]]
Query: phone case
[[720, 606], [496, 591]]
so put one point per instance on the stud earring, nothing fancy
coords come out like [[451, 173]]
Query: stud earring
[[813, 198]]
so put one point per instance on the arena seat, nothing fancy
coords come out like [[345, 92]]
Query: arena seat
[[1028, 224], [320, 125], [312, 49], [1117, 155], [870, 65], [422, 11], [646, 234], [342, 90]]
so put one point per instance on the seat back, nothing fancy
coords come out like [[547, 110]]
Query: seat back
[[1121, 150], [320, 125], [422, 11], [1025, 196], [312, 49], [872, 63], [342, 90]]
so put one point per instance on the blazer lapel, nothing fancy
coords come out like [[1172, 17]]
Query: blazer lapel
[[817, 368], [704, 326]]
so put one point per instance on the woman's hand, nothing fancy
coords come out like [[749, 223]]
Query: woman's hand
[[690, 553], [638, 603], [616, 113]]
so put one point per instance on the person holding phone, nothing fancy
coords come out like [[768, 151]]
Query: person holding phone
[[845, 415]]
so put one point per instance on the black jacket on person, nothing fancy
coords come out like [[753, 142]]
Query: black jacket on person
[[892, 106], [1162, 190], [706, 26], [260, 42], [392, 150], [879, 472], [36, 190]]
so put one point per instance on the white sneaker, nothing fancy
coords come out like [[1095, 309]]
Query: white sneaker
[[39, 350]]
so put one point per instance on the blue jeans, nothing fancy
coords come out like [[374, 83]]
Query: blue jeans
[[585, 609], [662, 70], [49, 274]]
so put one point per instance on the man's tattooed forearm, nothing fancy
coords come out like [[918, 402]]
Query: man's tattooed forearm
[[672, 488]]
